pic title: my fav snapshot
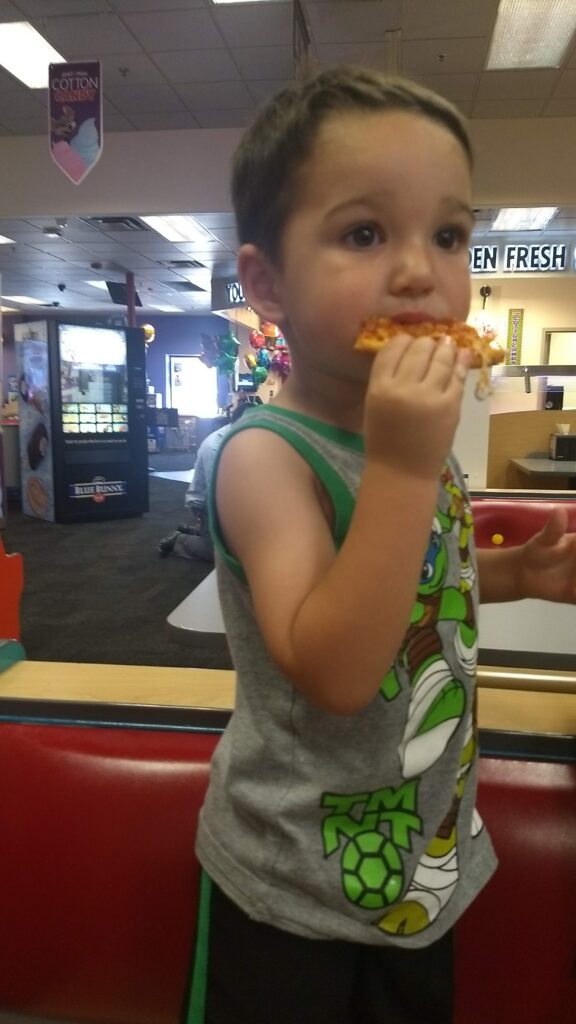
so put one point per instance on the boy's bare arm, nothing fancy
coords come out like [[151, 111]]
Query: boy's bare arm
[[332, 621]]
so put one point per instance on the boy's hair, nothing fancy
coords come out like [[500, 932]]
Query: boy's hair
[[273, 150]]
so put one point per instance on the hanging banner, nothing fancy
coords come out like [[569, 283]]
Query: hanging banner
[[75, 117], [514, 336]]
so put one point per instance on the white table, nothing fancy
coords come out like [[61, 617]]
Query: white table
[[538, 626]]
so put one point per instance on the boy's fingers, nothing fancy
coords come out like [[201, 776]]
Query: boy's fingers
[[555, 528]]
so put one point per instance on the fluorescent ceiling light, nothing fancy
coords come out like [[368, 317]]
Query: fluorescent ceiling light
[[164, 308], [8, 309], [26, 54], [24, 299], [179, 227], [99, 284], [6, 241], [531, 33], [243, 1], [518, 219]]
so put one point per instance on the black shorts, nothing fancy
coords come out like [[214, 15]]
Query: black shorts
[[246, 972]]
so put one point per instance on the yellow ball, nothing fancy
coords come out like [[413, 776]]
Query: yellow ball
[[497, 538]]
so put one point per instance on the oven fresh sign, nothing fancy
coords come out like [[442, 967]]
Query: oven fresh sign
[[548, 257]]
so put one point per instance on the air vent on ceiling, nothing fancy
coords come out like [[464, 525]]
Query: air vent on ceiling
[[116, 223], [182, 286], [183, 264]]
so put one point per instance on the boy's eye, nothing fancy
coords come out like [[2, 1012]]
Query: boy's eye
[[364, 236], [451, 237]]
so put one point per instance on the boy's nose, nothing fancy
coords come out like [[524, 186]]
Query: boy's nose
[[411, 272]]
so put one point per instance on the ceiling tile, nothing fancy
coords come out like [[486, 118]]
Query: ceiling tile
[[224, 118], [114, 122], [423, 57], [8, 83], [174, 30], [127, 6], [561, 107], [453, 87], [264, 61], [441, 19], [263, 91], [347, 21], [8, 12], [134, 68], [521, 85], [270, 24], [91, 33], [131, 99], [508, 108], [46, 8], [208, 65], [565, 88], [21, 103], [152, 121], [570, 61], [27, 125], [215, 95], [212, 221], [370, 54]]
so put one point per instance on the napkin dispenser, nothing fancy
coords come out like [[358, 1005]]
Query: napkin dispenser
[[563, 447]]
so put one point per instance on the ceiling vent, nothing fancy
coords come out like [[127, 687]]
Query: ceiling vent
[[116, 223], [183, 264], [182, 286]]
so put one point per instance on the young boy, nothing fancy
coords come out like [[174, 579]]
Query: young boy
[[339, 838]]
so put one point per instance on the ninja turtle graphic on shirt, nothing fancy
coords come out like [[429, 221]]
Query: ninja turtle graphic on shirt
[[373, 830]]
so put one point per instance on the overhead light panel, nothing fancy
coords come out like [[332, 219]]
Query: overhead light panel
[[26, 54], [164, 308], [518, 219], [6, 241], [531, 34], [8, 309], [98, 284], [179, 227], [220, 2], [24, 299]]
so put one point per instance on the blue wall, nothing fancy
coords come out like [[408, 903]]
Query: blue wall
[[176, 335]]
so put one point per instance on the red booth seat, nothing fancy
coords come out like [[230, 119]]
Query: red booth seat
[[99, 880], [502, 522]]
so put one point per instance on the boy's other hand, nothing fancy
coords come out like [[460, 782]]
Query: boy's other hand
[[547, 567], [413, 404]]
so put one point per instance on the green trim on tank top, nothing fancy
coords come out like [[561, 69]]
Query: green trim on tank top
[[340, 496], [346, 438]]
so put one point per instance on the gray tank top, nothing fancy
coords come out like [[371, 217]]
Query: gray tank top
[[359, 827]]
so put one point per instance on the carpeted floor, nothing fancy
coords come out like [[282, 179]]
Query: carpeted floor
[[100, 592]]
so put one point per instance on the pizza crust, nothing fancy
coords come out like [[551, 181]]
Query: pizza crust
[[377, 331]]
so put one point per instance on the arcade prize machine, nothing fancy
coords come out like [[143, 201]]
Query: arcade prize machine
[[82, 411]]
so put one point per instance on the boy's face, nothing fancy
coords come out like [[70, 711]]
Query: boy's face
[[381, 228]]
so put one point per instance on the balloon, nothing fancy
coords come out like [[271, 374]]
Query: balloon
[[263, 358], [256, 339], [250, 361], [149, 334], [259, 375], [220, 351], [280, 363]]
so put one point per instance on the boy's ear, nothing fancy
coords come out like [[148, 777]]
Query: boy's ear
[[259, 279]]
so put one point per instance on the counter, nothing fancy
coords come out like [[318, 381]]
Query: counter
[[511, 721]]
